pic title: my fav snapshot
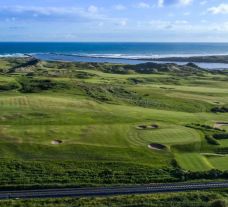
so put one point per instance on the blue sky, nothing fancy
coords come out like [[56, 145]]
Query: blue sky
[[114, 20]]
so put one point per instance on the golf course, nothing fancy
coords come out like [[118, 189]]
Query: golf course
[[72, 124], [90, 124]]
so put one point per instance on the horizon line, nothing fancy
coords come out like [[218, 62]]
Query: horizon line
[[111, 42]]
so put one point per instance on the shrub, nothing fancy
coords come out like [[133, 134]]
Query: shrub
[[218, 203], [211, 140], [31, 85], [9, 86], [222, 109], [221, 136], [223, 150]]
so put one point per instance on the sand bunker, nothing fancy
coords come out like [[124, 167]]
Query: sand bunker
[[153, 126], [141, 127], [156, 146], [56, 142], [220, 124]]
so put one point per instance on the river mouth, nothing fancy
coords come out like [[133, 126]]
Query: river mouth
[[91, 59]]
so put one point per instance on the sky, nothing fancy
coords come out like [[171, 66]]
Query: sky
[[114, 20]]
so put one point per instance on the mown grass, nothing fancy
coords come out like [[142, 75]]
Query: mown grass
[[219, 162], [193, 161]]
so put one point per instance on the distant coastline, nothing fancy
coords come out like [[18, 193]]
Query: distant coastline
[[205, 55], [206, 62], [197, 59], [215, 62]]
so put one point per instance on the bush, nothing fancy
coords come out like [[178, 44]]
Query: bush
[[219, 109], [223, 150], [84, 75], [204, 128], [31, 85], [31, 174], [211, 174], [211, 140], [218, 203], [9, 86], [221, 136]]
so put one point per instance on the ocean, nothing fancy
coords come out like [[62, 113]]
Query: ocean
[[114, 52]]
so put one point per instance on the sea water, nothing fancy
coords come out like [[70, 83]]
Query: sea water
[[127, 53]]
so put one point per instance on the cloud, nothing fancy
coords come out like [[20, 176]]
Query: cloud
[[70, 36], [221, 27], [185, 2], [39, 10], [91, 15], [187, 13], [162, 3], [203, 2], [16, 27], [220, 9], [119, 7], [11, 19], [183, 26], [160, 24], [101, 24], [143, 5], [92, 9], [51, 13], [123, 23]]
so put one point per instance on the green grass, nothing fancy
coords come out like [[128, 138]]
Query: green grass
[[193, 162], [219, 162], [170, 135], [225, 127], [224, 142], [95, 114]]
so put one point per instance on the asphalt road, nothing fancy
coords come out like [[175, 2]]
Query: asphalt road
[[107, 191]]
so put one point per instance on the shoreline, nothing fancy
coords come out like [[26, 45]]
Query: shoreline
[[171, 58], [219, 62], [198, 59], [213, 65]]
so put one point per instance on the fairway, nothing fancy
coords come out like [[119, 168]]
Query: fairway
[[193, 162], [219, 162]]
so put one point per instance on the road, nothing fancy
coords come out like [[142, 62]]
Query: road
[[107, 191]]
